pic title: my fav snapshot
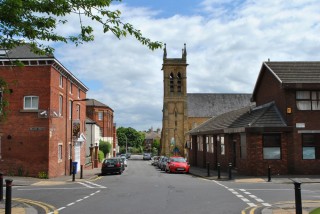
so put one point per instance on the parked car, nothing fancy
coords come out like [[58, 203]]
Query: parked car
[[128, 155], [111, 166], [124, 160], [155, 160], [177, 164], [159, 161], [146, 156], [163, 163]]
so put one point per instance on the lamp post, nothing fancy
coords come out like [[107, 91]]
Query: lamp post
[[71, 126], [126, 144]]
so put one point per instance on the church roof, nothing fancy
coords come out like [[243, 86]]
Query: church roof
[[209, 105]]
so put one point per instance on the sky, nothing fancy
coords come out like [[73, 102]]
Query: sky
[[227, 41]]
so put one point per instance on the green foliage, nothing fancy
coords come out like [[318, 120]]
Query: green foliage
[[43, 175], [156, 144], [3, 102], [105, 147], [315, 211], [101, 156], [39, 21], [131, 136]]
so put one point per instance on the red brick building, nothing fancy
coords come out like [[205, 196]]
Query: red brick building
[[281, 130], [35, 138], [103, 116]]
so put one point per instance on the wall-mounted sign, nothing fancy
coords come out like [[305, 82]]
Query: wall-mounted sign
[[300, 125]]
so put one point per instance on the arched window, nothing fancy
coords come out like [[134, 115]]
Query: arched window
[[179, 81], [171, 82]]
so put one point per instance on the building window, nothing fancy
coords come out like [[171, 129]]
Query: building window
[[211, 144], [59, 152], [61, 81], [31, 102], [60, 105], [222, 146], [272, 146], [70, 90], [70, 110], [308, 100], [243, 146], [171, 82], [100, 115], [79, 91], [179, 82], [207, 144], [310, 146]]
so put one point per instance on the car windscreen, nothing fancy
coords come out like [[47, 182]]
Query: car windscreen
[[180, 160]]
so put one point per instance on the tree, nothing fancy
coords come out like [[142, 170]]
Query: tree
[[105, 147], [39, 21], [132, 137]]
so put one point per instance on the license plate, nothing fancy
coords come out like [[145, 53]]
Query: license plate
[[110, 165], [180, 169]]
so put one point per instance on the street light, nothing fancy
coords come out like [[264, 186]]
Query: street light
[[71, 126], [126, 144]]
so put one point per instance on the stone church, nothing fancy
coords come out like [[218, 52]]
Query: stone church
[[184, 111]]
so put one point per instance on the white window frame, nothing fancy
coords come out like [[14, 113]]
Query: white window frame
[[79, 92], [61, 81], [31, 102], [100, 115], [70, 88], [60, 152], [60, 105]]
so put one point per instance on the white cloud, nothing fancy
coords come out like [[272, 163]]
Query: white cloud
[[226, 46]]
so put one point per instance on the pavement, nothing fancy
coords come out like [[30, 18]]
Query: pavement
[[20, 206]]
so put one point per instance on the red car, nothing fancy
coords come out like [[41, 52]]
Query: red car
[[177, 164]]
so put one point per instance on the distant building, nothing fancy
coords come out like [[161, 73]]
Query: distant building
[[183, 111], [103, 116], [36, 137], [150, 137]]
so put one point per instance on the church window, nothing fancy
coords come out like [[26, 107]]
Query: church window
[[171, 82], [179, 81]]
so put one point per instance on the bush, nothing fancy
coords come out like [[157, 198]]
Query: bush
[[101, 156], [105, 147]]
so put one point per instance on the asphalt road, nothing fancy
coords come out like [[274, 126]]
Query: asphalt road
[[144, 189]]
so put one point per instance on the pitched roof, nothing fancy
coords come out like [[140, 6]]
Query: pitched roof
[[266, 115], [295, 72], [209, 105], [23, 52], [96, 103]]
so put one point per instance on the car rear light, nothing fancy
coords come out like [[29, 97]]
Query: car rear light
[[118, 164]]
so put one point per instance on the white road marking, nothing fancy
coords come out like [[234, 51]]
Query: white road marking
[[73, 203]]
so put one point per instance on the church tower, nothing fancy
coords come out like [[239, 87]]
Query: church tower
[[175, 111]]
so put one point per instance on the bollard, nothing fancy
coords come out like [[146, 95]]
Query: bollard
[[208, 169], [297, 192], [269, 173], [81, 171], [71, 168], [73, 174], [8, 196], [1, 186], [218, 168], [230, 174]]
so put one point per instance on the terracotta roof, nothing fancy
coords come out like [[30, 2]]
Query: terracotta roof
[[209, 105], [266, 115]]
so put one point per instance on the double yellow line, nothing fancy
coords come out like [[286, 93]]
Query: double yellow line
[[47, 207]]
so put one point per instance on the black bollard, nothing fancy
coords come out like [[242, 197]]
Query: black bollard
[[297, 192], [1, 186], [208, 169], [269, 173], [230, 174], [8, 196], [218, 168], [71, 166], [81, 171]]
